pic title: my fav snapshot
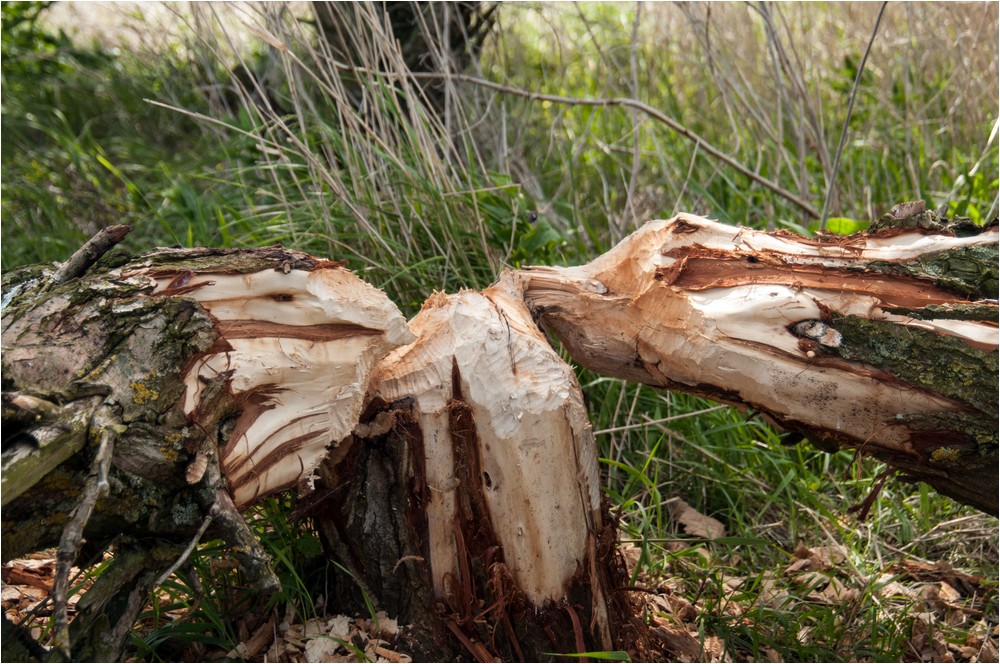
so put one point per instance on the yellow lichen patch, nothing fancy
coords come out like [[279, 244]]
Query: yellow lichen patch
[[944, 456], [170, 454], [143, 392], [171, 448], [94, 374]]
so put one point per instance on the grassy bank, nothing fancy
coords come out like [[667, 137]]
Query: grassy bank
[[238, 131]]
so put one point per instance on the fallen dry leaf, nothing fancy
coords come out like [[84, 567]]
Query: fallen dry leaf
[[675, 606], [695, 523], [715, 649], [772, 655], [816, 559], [631, 553], [771, 593], [887, 587], [836, 592], [41, 576], [261, 639], [928, 641], [679, 642], [966, 584], [948, 594]]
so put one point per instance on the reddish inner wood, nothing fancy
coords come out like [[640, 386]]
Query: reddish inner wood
[[252, 329], [700, 268]]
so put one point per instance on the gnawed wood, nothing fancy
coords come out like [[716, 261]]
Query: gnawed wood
[[862, 340], [459, 480], [138, 356], [299, 345], [503, 544]]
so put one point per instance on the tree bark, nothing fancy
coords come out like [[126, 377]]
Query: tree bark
[[431, 37], [147, 402]]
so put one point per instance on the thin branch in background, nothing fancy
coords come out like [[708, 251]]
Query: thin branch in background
[[625, 102], [649, 423], [687, 178], [847, 118]]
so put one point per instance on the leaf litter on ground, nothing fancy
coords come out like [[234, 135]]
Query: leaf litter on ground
[[936, 597]]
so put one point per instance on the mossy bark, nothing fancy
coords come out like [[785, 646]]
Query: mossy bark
[[99, 361], [82, 347]]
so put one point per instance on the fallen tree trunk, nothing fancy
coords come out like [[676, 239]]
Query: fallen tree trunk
[[885, 341], [147, 403]]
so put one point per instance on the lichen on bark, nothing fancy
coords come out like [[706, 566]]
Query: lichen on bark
[[947, 365], [971, 271], [83, 345], [974, 311], [110, 362]]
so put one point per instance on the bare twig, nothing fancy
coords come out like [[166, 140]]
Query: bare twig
[[687, 178], [847, 118], [654, 113], [72, 535], [90, 252], [187, 552]]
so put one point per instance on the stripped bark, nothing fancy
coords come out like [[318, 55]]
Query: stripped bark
[[885, 342], [473, 507]]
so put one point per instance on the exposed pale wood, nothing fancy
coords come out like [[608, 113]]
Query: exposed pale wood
[[505, 481], [458, 477], [762, 320], [217, 375], [300, 345]]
